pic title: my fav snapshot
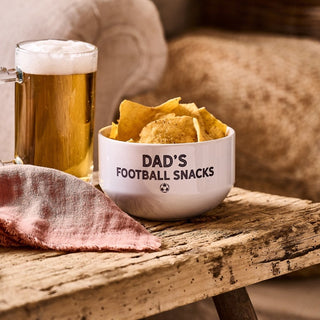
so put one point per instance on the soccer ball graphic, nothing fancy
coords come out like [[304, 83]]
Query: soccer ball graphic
[[164, 187]]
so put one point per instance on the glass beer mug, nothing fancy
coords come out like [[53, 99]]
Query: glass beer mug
[[55, 83]]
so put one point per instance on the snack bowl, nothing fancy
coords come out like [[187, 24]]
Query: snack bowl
[[166, 181]]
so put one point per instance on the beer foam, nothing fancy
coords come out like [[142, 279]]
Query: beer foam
[[53, 57]]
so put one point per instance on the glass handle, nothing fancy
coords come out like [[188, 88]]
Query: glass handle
[[8, 75], [6, 163]]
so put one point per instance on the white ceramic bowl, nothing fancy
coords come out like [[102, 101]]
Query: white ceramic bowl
[[166, 181]]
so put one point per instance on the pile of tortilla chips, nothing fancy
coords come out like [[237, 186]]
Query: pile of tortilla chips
[[171, 122]]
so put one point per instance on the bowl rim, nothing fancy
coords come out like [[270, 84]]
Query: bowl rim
[[230, 133]]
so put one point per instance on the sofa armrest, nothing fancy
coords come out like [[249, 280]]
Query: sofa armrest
[[128, 34]]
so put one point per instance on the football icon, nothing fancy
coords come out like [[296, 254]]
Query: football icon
[[164, 187]]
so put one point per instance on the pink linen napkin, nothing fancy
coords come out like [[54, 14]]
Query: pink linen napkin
[[46, 208]]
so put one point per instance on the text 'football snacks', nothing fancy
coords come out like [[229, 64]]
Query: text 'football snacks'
[[170, 122]]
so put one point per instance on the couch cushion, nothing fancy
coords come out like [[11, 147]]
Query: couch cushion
[[128, 33]]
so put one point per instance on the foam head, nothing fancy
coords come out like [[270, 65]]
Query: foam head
[[52, 57]]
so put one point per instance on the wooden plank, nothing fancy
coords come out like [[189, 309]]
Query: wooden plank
[[250, 237]]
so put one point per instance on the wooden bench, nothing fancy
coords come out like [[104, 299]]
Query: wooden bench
[[249, 238]]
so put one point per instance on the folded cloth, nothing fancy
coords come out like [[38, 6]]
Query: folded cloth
[[46, 208]]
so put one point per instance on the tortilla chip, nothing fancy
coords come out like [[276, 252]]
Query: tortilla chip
[[114, 131], [169, 106], [213, 127], [170, 122], [201, 132], [169, 130], [135, 116]]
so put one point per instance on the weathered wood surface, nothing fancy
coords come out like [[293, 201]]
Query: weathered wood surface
[[250, 237]]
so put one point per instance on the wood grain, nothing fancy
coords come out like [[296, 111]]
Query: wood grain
[[250, 237]]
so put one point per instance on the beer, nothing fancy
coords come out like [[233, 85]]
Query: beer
[[54, 106]]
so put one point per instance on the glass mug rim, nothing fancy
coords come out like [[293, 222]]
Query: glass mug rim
[[92, 50]]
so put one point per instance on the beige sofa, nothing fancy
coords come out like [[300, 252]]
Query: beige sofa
[[264, 82]]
